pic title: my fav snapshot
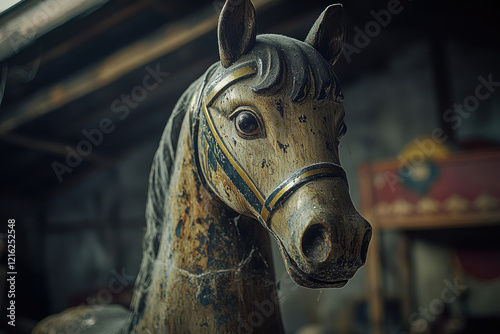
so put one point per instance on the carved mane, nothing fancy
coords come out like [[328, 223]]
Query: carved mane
[[156, 206], [280, 58]]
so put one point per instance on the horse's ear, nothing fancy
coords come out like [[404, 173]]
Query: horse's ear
[[236, 30], [327, 35]]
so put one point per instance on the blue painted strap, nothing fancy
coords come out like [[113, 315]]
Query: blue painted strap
[[229, 165]]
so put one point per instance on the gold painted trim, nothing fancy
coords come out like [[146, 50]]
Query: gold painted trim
[[228, 80], [233, 162], [297, 180], [264, 213]]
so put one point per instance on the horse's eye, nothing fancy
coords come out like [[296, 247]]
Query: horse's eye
[[247, 125], [342, 131]]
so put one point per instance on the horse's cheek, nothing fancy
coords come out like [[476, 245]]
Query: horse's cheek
[[227, 192]]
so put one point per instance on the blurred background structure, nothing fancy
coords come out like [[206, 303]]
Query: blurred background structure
[[87, 86]]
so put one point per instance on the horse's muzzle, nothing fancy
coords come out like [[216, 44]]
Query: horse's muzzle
[[323, 239]]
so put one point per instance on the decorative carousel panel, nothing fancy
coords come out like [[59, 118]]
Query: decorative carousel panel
[[456, 190]]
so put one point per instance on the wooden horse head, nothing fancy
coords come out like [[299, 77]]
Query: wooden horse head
[[267, 134]]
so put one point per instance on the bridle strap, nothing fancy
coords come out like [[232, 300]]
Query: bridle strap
[[297, 180], [204, 126], [194, 111], [228, 163]]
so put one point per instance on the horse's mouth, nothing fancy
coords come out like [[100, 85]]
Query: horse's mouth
[[304, 279]]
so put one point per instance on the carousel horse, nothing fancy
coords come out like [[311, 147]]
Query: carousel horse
[[250, 152]]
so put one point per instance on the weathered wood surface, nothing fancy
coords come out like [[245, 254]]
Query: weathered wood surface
[[251, 151], [212, 264]]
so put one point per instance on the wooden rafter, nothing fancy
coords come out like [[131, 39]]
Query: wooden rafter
[[31, 23], [115, 66], [96, 29]]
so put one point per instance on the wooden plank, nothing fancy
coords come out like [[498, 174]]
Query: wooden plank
[[440, 222], [405, 278], [138, 54], [95, 30], [373, 259], [374, 273], [33, 22]]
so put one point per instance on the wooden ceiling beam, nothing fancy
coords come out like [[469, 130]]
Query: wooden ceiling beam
[[96, 29], [115, 66], [33, 21]]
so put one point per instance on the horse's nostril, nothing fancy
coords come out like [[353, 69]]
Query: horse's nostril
[[365, 244], [316, 243]]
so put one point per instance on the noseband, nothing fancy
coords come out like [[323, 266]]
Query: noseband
[[204, 126]]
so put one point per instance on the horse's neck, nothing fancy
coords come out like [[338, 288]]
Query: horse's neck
[[214, 272]]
